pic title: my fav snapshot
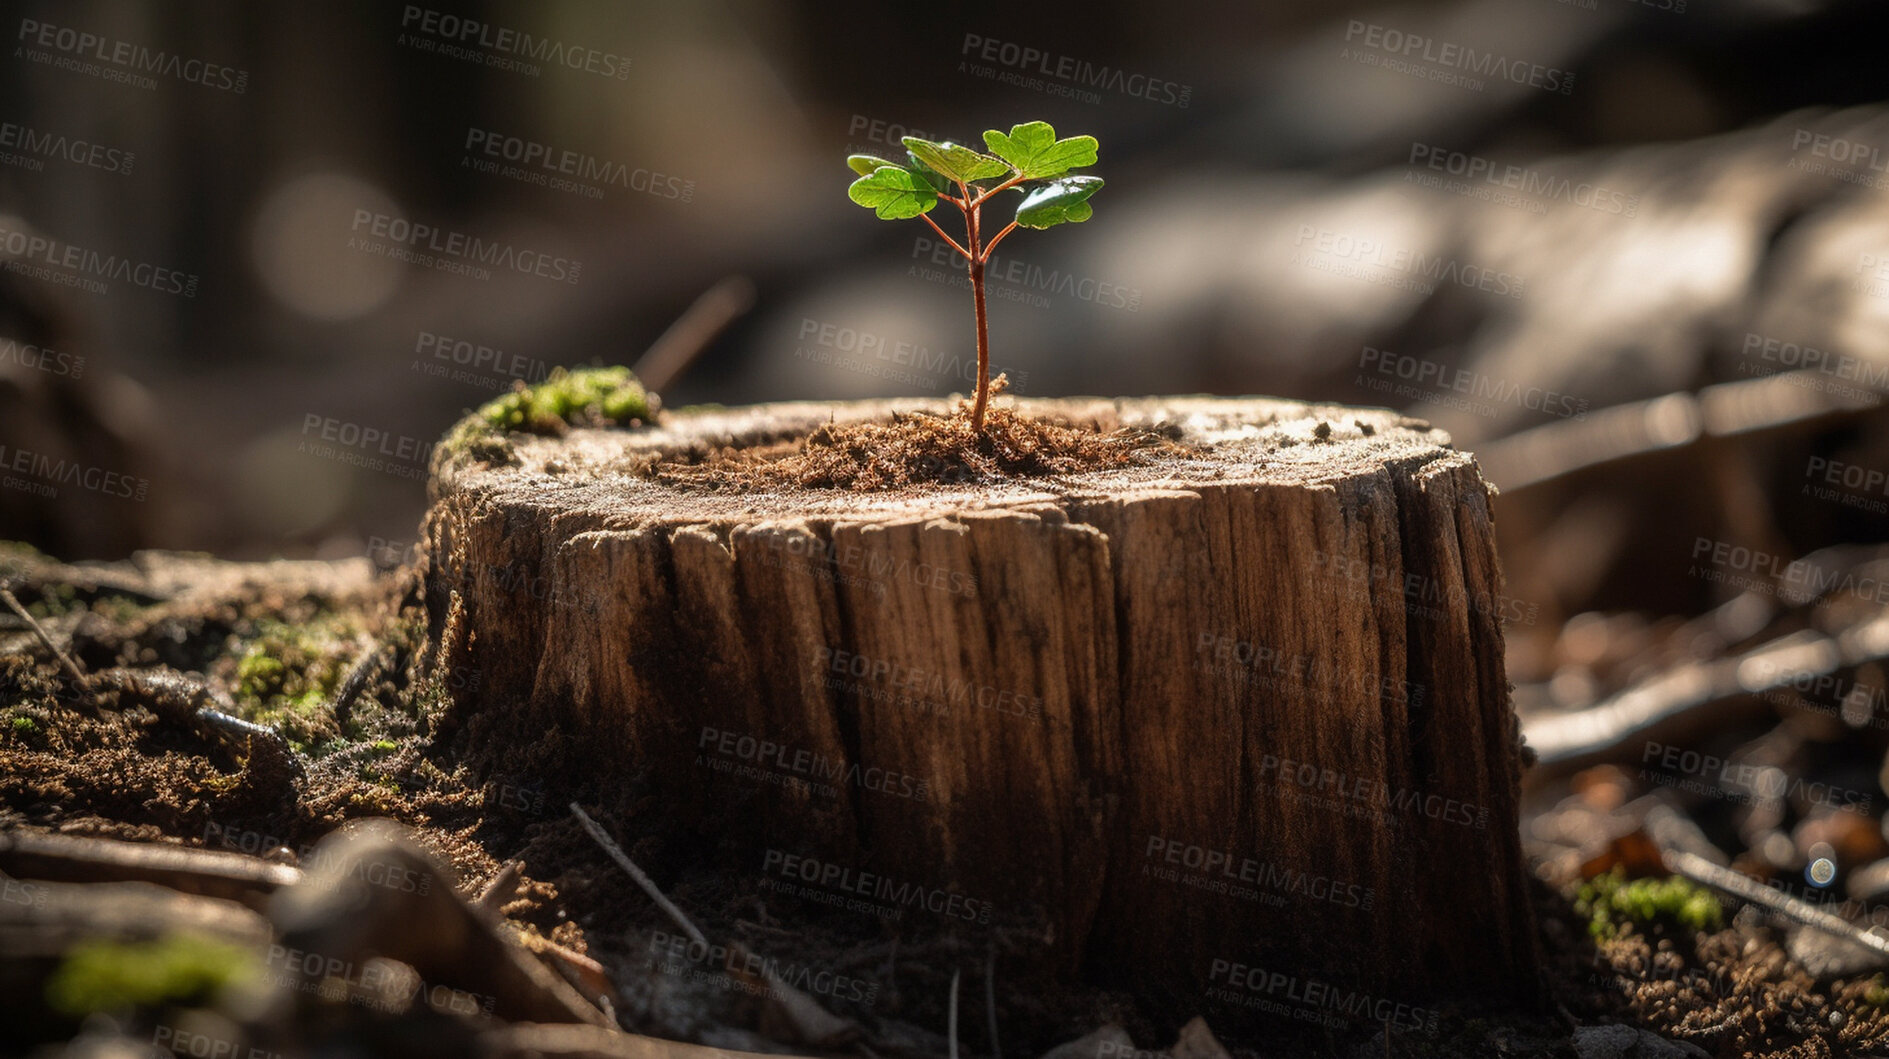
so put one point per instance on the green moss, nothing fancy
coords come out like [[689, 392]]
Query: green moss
[[101, 975], [586, 396], [592, 397], [56, 600], [16, 557], [117, 609], [1611, 903], [286, 675], [23, 727]]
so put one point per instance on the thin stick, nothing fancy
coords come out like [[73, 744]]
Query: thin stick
[[649, 886], [71, 667], [1751, 891], [990, 998], [1630, 431], [1562, 741], [952, 1026], [685, 339]]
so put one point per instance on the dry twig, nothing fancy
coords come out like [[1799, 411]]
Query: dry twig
[[65, 661], [603, 839]]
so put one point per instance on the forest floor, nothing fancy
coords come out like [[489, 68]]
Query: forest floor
[[111, 745]]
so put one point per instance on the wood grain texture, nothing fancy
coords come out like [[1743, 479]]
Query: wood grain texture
[[1241, 707]]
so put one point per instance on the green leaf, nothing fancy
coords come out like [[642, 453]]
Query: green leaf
[[893, 193], [1036, 152], [955, 161], [1066, 199], [864, 164], [938, 180]]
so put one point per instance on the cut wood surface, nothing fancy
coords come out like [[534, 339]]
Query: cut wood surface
[[1231, 724]]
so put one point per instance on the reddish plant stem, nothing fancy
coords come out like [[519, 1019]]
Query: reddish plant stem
[[1005, 186], [992, 245], [941, 232], [975, 262]]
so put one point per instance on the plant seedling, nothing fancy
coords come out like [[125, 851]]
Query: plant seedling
[[1030, 160]]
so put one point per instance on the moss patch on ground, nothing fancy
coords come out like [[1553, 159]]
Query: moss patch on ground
[[114, 976], [1611, 902], [285, 676]]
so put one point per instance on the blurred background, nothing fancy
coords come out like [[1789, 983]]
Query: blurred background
[[259, 256], [255, 258]]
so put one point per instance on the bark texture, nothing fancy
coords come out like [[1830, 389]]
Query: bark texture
[[1237, 712]]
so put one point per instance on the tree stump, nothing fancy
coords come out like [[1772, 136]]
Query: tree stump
[[1233, 723]]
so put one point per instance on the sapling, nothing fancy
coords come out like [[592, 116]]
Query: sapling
[[1030, 160]]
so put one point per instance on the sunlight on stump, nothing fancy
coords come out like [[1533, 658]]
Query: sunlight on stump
[[1231, 724]]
